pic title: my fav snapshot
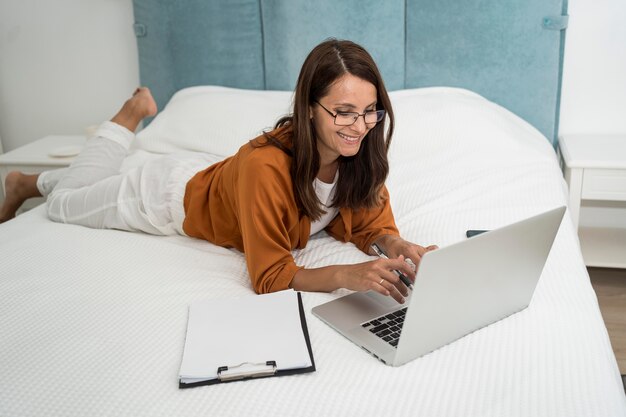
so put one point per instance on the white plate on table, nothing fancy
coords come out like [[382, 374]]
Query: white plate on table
[[65, 151]]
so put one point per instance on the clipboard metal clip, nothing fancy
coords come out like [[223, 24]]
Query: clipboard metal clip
[[246, 370]]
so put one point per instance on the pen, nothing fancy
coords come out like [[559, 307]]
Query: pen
[[403, 277]]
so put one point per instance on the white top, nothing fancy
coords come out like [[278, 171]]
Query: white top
[[594, 151], [325, 193]]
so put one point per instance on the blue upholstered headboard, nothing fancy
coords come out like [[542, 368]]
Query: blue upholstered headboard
[[511, 52]]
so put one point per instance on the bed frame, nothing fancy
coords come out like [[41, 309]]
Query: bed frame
[[509, 52]]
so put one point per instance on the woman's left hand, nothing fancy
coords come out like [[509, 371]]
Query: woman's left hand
[[394, 246]]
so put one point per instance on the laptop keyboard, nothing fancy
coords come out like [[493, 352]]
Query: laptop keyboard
[[387, 327]]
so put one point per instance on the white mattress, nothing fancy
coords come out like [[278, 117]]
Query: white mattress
[[92, 322]]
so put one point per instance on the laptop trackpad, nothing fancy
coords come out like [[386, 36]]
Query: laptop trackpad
[[349, 311]]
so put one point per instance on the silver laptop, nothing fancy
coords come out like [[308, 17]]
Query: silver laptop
[[458, 289]]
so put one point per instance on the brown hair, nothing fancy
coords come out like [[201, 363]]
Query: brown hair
[[362, 176]]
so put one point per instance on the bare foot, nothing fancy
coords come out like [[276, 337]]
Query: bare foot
[[18, 188], [135, 109]]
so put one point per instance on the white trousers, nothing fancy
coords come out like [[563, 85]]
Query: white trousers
[[92, 192]]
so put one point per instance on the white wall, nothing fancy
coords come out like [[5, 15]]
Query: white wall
[[68, 64], [593, 98], [64, 65]]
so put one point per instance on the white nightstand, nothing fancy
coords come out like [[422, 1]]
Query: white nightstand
[[595, 169], [44, 154]]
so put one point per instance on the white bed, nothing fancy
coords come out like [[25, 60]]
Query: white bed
[[92, 322]]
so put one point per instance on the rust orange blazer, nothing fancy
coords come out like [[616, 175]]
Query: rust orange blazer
[[247, 202]]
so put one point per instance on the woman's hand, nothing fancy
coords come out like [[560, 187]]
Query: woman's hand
[[377, 276], [395, 246]]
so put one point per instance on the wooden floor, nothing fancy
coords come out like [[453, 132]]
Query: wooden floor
[[610, 287]]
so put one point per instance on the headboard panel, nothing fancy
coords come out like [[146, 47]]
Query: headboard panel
[[506, 51], [510, 52], [292, 28]]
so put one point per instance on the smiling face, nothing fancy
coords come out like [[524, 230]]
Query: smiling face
[[348, 94]]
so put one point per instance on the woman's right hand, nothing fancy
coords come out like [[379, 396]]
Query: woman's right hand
[[377, 276]]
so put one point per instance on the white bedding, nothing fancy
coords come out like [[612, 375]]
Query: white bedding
[[92, 322]]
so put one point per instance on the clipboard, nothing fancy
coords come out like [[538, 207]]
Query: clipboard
[[279, 316]]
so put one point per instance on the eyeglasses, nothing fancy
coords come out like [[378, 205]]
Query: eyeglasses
[[349, 118]]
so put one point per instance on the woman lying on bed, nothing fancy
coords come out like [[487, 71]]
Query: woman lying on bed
[[322, 167]]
